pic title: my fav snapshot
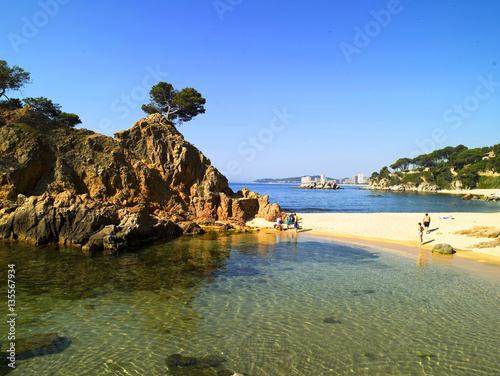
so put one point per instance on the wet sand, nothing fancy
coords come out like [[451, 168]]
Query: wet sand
[[401, 228]]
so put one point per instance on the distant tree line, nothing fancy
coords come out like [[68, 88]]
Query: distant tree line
[[444, 166]]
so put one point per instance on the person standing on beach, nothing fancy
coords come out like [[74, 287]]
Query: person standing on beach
[[427, 222], [296, 223], [421, 233]]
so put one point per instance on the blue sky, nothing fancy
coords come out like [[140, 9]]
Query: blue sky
[[292, 88]]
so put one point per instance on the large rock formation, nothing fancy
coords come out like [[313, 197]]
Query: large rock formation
[[73, 186]]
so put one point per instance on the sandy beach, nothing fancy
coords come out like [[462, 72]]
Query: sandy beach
[[401, 228], [485, 192]]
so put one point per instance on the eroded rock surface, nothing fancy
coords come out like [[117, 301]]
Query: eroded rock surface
[[73, 186]]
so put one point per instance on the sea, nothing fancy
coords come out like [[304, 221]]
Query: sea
[[259, 304], [353, 199]]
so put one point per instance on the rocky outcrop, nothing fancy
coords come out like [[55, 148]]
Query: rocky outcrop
[[73, 186], [491, 197], [483, 232], [316, 185], [384, 185]]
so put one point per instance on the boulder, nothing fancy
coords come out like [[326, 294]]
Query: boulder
[[245, 209], [270, 212], [191, 228], [208, 365], [442, 248]]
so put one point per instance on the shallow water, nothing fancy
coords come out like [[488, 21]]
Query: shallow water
[[269, 304]]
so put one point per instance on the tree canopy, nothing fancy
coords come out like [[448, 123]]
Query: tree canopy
[[11, 78], [443, 166], [176, 105], [44, 106], [52, 111], [11, 104]]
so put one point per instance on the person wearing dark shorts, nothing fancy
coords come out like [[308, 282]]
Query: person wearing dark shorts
[[427, 222]]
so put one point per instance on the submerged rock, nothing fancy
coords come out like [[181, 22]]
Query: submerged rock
[[208, 365], [331, 320], [45, 344]]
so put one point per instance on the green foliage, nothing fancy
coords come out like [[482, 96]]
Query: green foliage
[[69, 119], [394, 180], [44, 106], [46, 112], [401, 164], [436, 167], [468, 156], [176, 105], [384, 173], [489, 182], [12, 78], [429, 177], [444, 177], [413, 179], [11, 104]]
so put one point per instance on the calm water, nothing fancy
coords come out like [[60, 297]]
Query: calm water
[[353, 200], [268, 304]]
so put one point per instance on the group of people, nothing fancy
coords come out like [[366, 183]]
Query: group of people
[[425, 227], [291, 221]]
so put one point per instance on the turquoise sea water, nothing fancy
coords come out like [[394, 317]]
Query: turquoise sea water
[[268, 304], [353, 200]]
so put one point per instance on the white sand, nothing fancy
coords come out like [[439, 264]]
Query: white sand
[[485, 192], [399, 227]]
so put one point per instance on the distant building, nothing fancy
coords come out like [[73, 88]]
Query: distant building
[[322, 179], [489, 155], [305, 179], [361, 178]]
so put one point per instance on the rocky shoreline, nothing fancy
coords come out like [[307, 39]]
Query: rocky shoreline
[[425, 187], [78, 188], [495, 197], [467, 195]]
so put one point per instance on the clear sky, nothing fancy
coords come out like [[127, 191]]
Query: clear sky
[[292, 87]]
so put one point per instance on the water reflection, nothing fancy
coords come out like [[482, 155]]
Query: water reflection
[[273, 303]]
